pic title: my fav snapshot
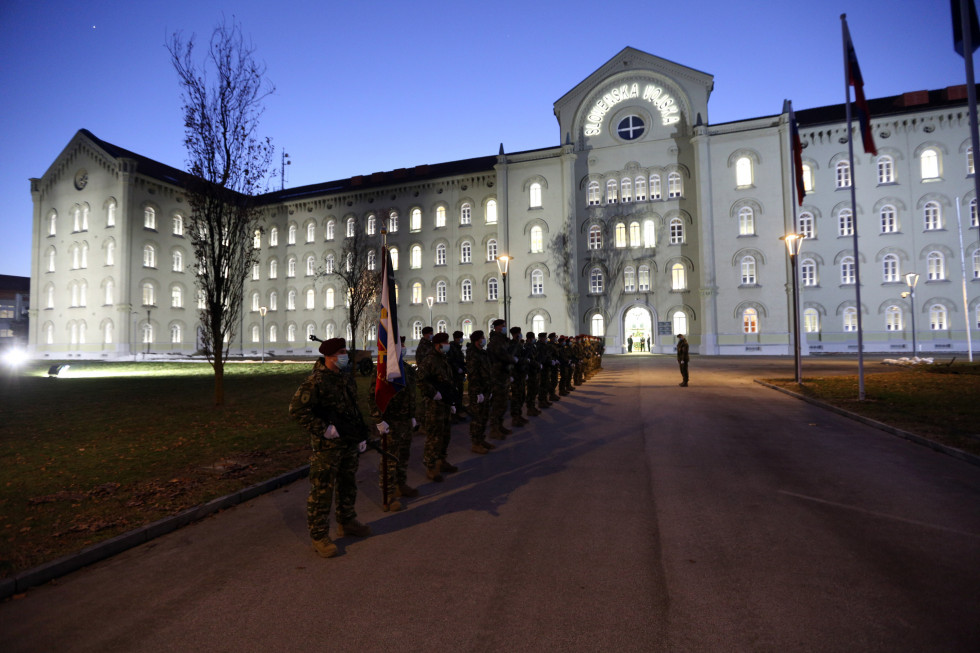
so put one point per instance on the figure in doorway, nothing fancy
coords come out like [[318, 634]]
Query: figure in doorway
[[629, 345]]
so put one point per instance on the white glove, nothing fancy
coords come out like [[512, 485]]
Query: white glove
[[540, 366], [511, 379], [438, 396], [452, 410], [459, 371], [515, 359], [414, 423], [331, 433], [362, 447], [479, 399], [553, 363], [383, 427]]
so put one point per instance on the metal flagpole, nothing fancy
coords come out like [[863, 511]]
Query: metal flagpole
[[854, 221], [966, 305], [383, 365], [797, 349], [966, 27]]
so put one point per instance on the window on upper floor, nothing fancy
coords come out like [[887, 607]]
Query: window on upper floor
[[808, 272], [845, 223], [674, 186], [850, 321], [310, 231], [612, 191], [596, 281], [932, 216], [440, 254], [808, 177], [291, 267], [655, 190], [416, 293], [641, 189], [643, 278], [593, 193], [393, 253], [889, 268], [466, 291], [806, 224], [678, 277], [178, 225], [886, 169], [537, 240], [310, 265], [629, 279], [441, 292], [149, 256], [843, 171], [393, 222], [149, 218], [746, 221], [635, 234], [415, 257], [847, 271], [466, 252], [743, 172], [291, 235], [929, 162], [273, 237], [491, 211], [888, 218], [534, 198], [620, 232], [351, 227], [492, 287], [466, 213], [938, 318], [750, 321], [372, 224], [626, 190], [595, 237], [676, 231], [893, 318], [491, 250], [372, 260], [649, 234], [440, 217], [537, 282], [935, 266], [748, 267]]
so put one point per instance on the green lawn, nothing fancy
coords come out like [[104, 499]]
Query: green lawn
[[113, 446]]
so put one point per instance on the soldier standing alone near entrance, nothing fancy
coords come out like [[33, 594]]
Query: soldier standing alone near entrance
[[682, 358], [326, 405]]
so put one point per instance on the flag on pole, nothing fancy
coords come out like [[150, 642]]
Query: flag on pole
[[794, 134], [958, 26], [861, 104], [391, 377]]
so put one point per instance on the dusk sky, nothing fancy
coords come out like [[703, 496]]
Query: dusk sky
[[371, 86]]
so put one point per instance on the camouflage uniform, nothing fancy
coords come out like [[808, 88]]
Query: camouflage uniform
[[324, 398], [553, 376], [457, 360], [518, 387], [533, 376], [578, 350], [501, 361], [435, 372], [564, 368], [544, 379], [478, 373], [399, 414]]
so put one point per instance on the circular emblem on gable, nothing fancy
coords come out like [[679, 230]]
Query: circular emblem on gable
[[81, 178], [630, 128]]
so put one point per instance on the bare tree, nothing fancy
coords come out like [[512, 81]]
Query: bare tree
[[359, 270], [229, 164], [562, 252]]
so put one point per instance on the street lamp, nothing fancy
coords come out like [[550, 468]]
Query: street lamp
[[503, 261], [429, 300], [262, 312], [793, 242], [911, 279]]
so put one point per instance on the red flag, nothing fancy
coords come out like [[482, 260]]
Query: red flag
[[854, 79], [797, 144], [391, 377]]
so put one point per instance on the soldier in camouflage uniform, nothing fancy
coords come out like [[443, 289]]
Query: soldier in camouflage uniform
[[501, 362], [399, 415], [533, 374], [480, 387], [425, 345], [436, 383], [326, 405], [518, 384], [578, 350], [564, 367], [457, 360], [553, 374], [544, 380]]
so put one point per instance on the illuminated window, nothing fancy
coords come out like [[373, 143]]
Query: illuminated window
[[331, 231], [178, 225], [310, 331], [273, 301], [492, 289], [535, 196], [310, 232], [655, 192], [845, 223], [612, 191], [255, 301], [331, 299], [743, 172], [641, 189], [273, 269], [974, 221], [748, 271], [466, 291], [328, 263], [273, 333], [291, 300], [850, 319], [746, 221], [149, 218], [372, 260], [595, 237], [537, 240], [629, 279], [417, 330], [807, 225], [351, 227], [537, 282], [393, 222], [291, 333], [467, 327], [291, 235], [679, 321], [149, 294], [620, 232], [969, 160], [491, 250], [593, 193], [178, 262], [107, 333], [889, 268], [492, 212], [537, 323], [808, 272], [678, 277], [415, 220], [110, 218], [147, 334], [888, 218], [811, 320], [291, 267], [935, 266], [372, 225], [53, 224], [310, 265], [596, 281], [929, 162], [441, 292], [626, 190], [674, 186], [807, 178], [149, 256], [634, 234], [109, 294], [932, 216], [441, 217], [886, 169], [644, 278], [310, 299], [466, 252], [676, 231], [630, 128], [176, 297], [750, 321], [843, 174], [893, 318], [847, 270], [349, 261], [415, 257], [393, 253], [466, 214], [649, 234], [416, 293], [597, 323]]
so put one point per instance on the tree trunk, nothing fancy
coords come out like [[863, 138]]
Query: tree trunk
[[219, 378]]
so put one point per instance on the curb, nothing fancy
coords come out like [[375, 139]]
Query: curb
[[906, 435], [75, 561]]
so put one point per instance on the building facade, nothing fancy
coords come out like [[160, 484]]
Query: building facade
[[646, 221], [15, 296]]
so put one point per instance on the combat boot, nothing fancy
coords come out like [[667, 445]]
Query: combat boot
[[447, 467], [544, 403], [499, 432], [553, 397], [353, 528], [477, 447], [519, 420], [393, 506], [406, 491], [532, 411], [432, 473], [324, 547]]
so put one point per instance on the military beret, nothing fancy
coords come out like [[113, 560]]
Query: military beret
[[332, 346], [496, 323], [440, 338], [476, 336]]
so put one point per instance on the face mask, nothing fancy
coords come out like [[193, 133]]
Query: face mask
[[483, 342], [440, 349], [342, 360]]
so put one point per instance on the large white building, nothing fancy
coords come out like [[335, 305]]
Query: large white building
[[671, 224]]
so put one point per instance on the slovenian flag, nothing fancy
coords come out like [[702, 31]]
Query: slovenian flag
[[391, 378], [854, 79], [797, 144]]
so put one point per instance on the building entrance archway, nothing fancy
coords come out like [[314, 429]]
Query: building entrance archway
[[638, 325]]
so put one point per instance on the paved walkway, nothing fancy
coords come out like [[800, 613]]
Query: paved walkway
[[632, 516]]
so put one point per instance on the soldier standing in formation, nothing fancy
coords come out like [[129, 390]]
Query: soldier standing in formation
[[501, 363], [553, 374], [458, 363], [436, 383], [533, 374], [326, 405], [518, 383], [480, 388], [399, 418], [544, 378]]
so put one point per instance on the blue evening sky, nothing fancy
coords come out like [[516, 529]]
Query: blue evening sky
[[368, 86]]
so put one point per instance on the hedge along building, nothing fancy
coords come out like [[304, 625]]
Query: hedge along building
[[646, 221]]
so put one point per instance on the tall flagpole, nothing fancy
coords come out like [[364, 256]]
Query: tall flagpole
[[854, 216], [793, 259], [966, 27]]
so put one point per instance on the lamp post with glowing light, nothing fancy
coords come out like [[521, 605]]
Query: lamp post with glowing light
[[793, 242], [429, 301], [911, 279], [262, 312], [503, 261]]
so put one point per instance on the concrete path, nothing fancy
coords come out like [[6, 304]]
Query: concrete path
[[633, 516]]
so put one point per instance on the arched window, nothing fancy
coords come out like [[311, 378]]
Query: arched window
[[932, 216], [807, 226], [929, 161], [417, 330], [649, 234], [598, 325], [178, 224], [655, 192], [149, 218], [149, 256], [634, 234], [331, 298], [149, 294], [147, 334], [372, 260], [416, 293], [676, 231], [175, 334], [808, 272], [629, 279], [679, 320], [310, 232], [641, 189], [537, 323], [537, 282], [466, 291], [748, 271], [110, 288], [466, 214], [331, 331], [893, 318], [491, 211], [176, 297], [291, 235], [596, 281], [626, 190], [291, 267], [255, 301], [107, 333], [110, 218], [535, 196], [678, 277], [847, 270], [328, 263], [938, 317], [291, 300], [595, 237], [491, 250], [393, 222], [537, 240], [273, 333], [643, 276], [372, 225], [351, 227], [843, 174], [440, 216], [845, 223], [291, 333], [674, 186], [393, 253], [750, 321], [273, 301], [178, 261], [936, 266], [441, 292], [442, 326], [593, 194], [310, 331], [273, 237], [415, 220], [310, 265], [743, 172], [466, 252], [886, 169], [888, 219], [467, 327], [746, 221], [331, 232], [612, 191], [850, 319], [311, 299], [974, 220], [889, 268], [440, 254], [492, 289], [620, 232], [811, 320], [415, 257]]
